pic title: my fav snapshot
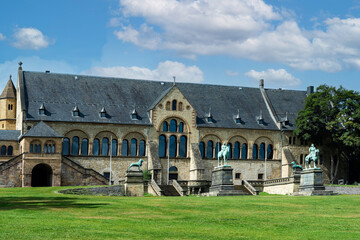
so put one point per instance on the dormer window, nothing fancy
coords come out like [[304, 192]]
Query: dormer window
[[260, 118], [238, 118], [76, 112], [134, 115], [103, 113], [42, 110], [209, 117], [286, 120]]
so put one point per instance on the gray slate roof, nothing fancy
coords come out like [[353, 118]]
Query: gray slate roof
[[41, 129], [286, 101], [9, 135], [60, 93]]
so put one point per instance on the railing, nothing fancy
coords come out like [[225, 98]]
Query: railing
[[278, 180], [178, 188], [155, 187], [250, 188]]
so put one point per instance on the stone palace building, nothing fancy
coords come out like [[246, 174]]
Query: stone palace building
[[63, 129]]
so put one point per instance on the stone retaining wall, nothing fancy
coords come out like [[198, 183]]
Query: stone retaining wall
[[117, 190], [344, 190]]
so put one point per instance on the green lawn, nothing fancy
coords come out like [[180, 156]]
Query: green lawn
[[39, 213]]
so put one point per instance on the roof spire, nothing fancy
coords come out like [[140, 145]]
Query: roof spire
[[20, 65], [174, 77]]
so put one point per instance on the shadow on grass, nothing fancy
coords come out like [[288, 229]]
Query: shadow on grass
[[43, 203]]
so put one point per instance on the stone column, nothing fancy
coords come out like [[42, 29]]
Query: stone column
[[134, 183]]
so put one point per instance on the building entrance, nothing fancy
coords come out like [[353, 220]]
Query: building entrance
[[41, 176]]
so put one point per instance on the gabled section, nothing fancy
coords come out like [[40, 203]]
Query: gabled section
[[161, 96], [9, 90], [41, 129]]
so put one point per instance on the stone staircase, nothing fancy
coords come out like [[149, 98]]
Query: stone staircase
[[169, 190]]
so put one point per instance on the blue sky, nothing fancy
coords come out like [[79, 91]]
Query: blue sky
[[291, 44]]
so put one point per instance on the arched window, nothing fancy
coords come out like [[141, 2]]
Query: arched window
[[181, 127], [65, 147], [105, 146], [289, 140], [173, 146], [162, 146], [294, 140], [167, 105], [75, 146], [255, 151], [53, 148], [38, 148], [96, 147], [173, 173], [10, 151], [244, 151], [262, 151], [237, 150], [301, 159], [142, 148], [3, 150], [209, 149], [84, 146], [165, 127], [174, 103], [31, 148], [270, 152], [45, 148], [124, 148], [230, 150], [114, 144], [217, 149], [202, 149], [173, 125], [180, 106], [133, 147], [182, 146]]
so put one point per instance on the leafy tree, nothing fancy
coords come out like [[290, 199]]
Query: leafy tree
[[332, 116]]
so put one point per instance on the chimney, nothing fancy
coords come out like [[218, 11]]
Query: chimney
[[310, 90], [261, 83]]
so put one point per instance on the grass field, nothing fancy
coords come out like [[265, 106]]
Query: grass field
[[39, 213]]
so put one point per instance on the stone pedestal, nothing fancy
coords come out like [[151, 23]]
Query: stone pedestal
[[222, 183], [311, 183], [134, 183]]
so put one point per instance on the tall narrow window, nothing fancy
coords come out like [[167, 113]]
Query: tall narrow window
[[217, 149], [124, 148], [39, 148], [133, 147], [114, 144], [142, 148], [75, 146], [167, 105], [301, 159], [244, 151], [255, 151], [270, 152], [65, 147], [209, 149], [10, 151], [105, 146], [96, 147], [182, 146], [202, 149], [230, 150], [181, 127], [180, 106], [165, 127], [53, 148], [3, 150], [237, 150], [173, 146], [31, 148], [46, 148], [289, 140], [262, 151], [162, 146], [174, 103], [84, 146], [173, 125]]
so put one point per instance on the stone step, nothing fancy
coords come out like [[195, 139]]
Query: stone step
[[169, 190]]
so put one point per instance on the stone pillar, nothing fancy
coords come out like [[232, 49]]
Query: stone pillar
[[311, 180], [134, 183], [222, 179]]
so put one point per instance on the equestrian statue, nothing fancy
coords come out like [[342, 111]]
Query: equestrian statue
[[224, 155], [312, 157]]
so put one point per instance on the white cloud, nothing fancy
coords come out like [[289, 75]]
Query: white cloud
[[249, 29], [164, 71], [2, 37], [274, 77], [33, 63], [30, 38], [231, 73]]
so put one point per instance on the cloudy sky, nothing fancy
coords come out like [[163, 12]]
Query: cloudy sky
[[291, 44]]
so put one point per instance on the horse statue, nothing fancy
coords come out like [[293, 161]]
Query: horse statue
[[224, 154], [295, 166], [312, 157], [137, 164]]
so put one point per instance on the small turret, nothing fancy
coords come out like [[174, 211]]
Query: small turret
[[8, 106]]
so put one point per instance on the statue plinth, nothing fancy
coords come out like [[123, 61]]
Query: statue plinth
[[134, 183], [311, 183]]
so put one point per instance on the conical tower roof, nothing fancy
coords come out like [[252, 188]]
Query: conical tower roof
[[9, 91]]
